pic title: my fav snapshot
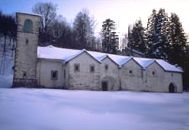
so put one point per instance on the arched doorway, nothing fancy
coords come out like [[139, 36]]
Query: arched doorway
[[108, 83], [172, 88], [104, 86]]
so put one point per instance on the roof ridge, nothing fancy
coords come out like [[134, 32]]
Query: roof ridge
[[99, 56]]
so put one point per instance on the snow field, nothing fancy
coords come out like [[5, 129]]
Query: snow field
[[49, 109]]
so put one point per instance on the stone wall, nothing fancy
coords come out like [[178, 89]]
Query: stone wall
[[26, 50], [176, 79], [155, 78], [45, 68], [84, 79], [110, 75], [131, 76]]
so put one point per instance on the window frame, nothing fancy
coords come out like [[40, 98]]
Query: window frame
[[27, 41], [130, 72], [76, 67], [92, 68], [106, 67], [154, 73], [24, 74], [54, 75], [28, 26]]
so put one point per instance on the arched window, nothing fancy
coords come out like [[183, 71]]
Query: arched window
[[28, 25]]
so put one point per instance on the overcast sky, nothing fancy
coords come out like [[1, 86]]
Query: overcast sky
[[123, 12]]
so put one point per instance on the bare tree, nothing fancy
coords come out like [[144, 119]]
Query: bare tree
[[48, 14], [62, 32], [83, 27], [8, 33]]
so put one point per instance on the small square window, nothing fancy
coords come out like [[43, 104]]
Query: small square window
[[130, 71], [27, 41], [92, 68], [54, 75], [24, 74], [76, 67], [153, 72], [106, 67]]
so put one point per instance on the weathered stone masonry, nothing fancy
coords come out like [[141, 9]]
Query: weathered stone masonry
[[26, 50]]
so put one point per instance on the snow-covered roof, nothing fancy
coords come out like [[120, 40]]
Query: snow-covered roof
[[144, 62], [168, 67], [51, 52], [27, 13]]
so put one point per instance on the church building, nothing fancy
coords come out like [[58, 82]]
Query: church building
[[53, 67]]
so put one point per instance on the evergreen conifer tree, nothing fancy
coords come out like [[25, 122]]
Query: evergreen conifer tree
[[158, 35], [136, 37], [179, 50], [178, 40], [109, 37]]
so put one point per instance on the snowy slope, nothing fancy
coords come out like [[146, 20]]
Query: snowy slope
[[6, 73], [6, 81], [45, 109]]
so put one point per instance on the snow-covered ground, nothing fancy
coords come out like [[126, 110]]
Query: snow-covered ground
[[48, 109], [6, 81], [6, 68]]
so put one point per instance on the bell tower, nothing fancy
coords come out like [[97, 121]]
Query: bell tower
[[25, 67]]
